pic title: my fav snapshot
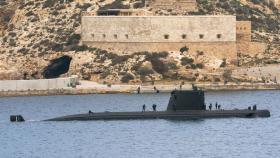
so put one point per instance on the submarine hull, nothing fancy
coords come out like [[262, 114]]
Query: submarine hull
[[190, 114]]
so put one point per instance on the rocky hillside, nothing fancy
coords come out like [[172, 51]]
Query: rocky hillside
[[34, 32]]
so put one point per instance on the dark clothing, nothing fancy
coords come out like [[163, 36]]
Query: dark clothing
[[90, 112], [144, 108], [210, 107], [219, 107], [216, 106], [154, 107], [255, 107]]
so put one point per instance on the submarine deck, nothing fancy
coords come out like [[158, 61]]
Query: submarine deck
[[190, 114]]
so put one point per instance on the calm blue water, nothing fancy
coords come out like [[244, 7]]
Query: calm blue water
[[234, 137]]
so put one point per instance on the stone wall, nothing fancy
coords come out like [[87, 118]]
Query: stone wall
[[251, 48], [218, 49], [158, 29], [213, 35], [42, 84]]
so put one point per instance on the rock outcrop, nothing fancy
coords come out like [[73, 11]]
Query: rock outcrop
[[35, 32]]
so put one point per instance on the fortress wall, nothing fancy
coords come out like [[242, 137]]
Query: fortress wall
[[218, 49], [158, 29], [251, 48]]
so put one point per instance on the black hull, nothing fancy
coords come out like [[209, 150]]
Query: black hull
[[191, 114]]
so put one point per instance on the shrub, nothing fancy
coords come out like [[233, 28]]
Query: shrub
[[171, 65], [29, 13], [49, 3], [80, 48], [223, 64], [144, 71], [184, 49], [117, 4], [84, 6], [23, 50], [196, 66], [119, 59], [186, 61], [227, 75], [256, 1], [159, 66], [56, 47], [73, 39], [200, 66], [127, 77]]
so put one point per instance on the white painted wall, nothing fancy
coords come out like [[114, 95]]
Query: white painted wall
[[42, 84]]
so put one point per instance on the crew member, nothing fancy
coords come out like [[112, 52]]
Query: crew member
[[90, 112], [219, 107], [216, 105], [143, 108], [255, 107], [154, 107], [210, 106]]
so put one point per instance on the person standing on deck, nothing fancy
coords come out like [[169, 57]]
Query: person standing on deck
[[154, 107], [210, 106], [216, 105], [143, 108]]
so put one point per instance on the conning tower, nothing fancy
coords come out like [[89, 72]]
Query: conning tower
[[186, 100]]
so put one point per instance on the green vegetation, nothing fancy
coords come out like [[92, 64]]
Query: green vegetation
[[224, 63], [184, 49], [117, 4], [186, 61], [127, 77]]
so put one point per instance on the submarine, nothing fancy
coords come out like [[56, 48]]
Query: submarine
[[187, 104]]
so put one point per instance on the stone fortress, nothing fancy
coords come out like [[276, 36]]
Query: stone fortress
[[221, 36]]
